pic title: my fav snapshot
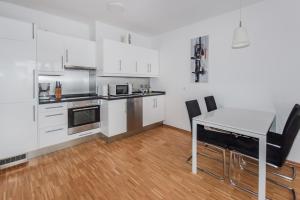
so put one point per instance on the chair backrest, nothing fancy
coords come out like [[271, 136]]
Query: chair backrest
[[210, 103], [193, 109], [289, 136], [289, 119]]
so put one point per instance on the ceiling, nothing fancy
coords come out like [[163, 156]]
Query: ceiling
[[148, 17]]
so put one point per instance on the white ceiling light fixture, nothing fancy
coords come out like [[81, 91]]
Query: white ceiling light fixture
[[240, 36], [115, 7]]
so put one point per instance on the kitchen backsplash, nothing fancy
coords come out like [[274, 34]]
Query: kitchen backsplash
[[83, 81]]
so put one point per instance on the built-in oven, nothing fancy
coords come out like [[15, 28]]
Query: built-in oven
[[83, 116]]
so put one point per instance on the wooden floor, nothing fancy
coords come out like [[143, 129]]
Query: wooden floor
[[151, 165]]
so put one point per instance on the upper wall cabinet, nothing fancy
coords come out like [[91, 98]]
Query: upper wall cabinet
[[80, 53], [50, 53], [120, 59], [56, 52]]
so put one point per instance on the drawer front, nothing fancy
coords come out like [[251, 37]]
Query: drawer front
[[58, 117], [52, 135], [52, 108]]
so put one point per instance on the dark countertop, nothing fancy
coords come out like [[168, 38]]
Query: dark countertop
[[108, 98]]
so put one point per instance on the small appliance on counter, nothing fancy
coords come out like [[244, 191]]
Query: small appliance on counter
[[120, 89], [44, 91]]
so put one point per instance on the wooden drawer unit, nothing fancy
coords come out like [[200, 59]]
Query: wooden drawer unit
[[53, 135], [53, 115]]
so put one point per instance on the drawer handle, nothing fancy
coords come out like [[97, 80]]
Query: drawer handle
[[54, 115], [54, 107], [51, 131]]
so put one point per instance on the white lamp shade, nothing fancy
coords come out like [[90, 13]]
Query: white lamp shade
[[240, 38]]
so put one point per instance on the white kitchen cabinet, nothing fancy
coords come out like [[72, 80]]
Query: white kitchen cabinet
[[113, 117], [50, 53], [18, 124], [153, 110], [53, 124], [80, 53], [52, 135], [18, 129], [119, 59]]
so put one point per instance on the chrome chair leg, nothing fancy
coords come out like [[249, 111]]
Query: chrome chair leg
[[222, 177], [235, 184], [289, 178]]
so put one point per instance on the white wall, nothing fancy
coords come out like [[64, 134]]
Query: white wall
[[45, 21], [115, 33], [264, 76]]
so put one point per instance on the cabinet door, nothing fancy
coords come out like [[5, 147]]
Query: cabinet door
[[53, 135], [153, 62], [80, 52], [113, 57], [153, 110], [130, 60], [17, 70], [148, 111], [18, 129], [160, 108], [50, 51], [117, 113]]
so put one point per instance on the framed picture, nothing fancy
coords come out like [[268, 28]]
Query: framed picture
[[199, 59]]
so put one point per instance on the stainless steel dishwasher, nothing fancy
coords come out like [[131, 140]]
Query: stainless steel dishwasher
[[134, 114]]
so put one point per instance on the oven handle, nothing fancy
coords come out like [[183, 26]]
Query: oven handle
[[89, 108]]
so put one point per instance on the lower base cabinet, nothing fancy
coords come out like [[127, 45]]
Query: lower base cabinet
[[113, 117], [153, 109], [53, 135]]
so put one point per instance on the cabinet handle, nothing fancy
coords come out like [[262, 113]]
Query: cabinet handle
[[62, 62], [120, 65], [136, 66], [153, 103], [67, 55], [54, 115], [54, 107], [150, 66], [51, 131], [33, 31], [33, 110], [33, 83]]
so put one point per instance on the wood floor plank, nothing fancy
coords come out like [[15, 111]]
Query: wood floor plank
[[150, 166]]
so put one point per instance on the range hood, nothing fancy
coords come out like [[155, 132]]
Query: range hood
[[75, 67]]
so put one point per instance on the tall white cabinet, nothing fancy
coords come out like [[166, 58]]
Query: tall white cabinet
[[18, 101]]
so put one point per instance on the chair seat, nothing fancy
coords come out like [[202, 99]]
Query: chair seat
[[215, 138], [249, 147], [274, 138]]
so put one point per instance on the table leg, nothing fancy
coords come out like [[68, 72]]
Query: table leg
[[262, 168], [194, 148]]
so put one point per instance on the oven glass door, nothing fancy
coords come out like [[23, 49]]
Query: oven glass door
[[83, 116], [121, 89]]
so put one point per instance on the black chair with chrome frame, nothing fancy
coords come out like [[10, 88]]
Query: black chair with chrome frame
[[213, 140], [210, 103], [278, 148]]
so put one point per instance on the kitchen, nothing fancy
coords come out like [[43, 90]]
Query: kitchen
[[126, 99], [68, 96]]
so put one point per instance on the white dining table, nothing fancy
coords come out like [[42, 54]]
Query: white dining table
[[241, 121]]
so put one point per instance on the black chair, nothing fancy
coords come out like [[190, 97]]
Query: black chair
[[210, 103], [211, 139], [277, 151]]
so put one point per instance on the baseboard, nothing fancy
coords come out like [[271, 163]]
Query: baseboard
[[177, 129], [131, 133], [296, 164]]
